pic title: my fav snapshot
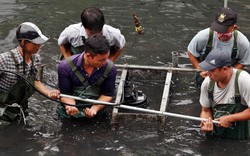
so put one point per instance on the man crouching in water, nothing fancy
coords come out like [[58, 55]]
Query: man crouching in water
[[20, 68], [225, 97], [87, 75]]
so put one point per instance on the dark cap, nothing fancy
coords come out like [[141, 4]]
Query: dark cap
[[224, 18], [215, 59]]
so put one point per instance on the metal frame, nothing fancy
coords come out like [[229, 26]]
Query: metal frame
[[165, 95], [161, 118]]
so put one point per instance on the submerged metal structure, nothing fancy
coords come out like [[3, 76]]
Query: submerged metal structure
[[117, 113]]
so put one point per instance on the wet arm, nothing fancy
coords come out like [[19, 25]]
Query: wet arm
[[195, 62], [206, 112], [115, 55], [71, 110], [226, 121], [51, 93], [239, 66], [91, 112], [206, 126]]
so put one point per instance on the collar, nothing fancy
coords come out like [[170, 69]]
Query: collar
[[80, 60]]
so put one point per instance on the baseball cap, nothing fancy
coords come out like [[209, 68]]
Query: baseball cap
[[215, 59], [224, 18], [29, 31]]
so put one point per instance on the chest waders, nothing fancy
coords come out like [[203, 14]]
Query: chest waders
[[15, 101], [85, 91], [234, 58], [239, 129]]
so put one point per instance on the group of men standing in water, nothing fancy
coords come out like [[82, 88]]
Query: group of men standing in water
[[88, 52]]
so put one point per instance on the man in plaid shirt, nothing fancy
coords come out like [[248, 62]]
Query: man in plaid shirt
[[19, 69]]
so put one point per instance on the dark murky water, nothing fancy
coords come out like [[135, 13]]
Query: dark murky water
[[169, 26]]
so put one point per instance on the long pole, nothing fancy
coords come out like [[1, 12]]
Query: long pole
[[88, 100], [137, 108], [225, 3], [155, 67]]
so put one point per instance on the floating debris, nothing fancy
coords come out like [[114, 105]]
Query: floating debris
[[138, 28]]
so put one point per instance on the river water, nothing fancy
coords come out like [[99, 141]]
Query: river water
[[169, 26]]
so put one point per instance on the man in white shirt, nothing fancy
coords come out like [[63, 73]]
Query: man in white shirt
[[225, 97]]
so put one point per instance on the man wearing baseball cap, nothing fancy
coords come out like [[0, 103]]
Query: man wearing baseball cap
[[19, 68], [225, 97], [224, 19], [222, 34]]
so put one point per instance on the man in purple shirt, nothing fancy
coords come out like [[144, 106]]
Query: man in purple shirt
[[88, 75]]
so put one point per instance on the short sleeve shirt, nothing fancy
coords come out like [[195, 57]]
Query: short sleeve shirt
[[197, 46]]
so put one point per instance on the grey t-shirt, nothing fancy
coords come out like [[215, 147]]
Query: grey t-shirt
[[197, 46]]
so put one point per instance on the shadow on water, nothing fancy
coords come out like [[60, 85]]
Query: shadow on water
[[169, 26]]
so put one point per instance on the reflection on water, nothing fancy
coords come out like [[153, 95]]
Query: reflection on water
[[169, 26]]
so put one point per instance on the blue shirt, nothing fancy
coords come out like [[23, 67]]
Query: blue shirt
[[68, 80]]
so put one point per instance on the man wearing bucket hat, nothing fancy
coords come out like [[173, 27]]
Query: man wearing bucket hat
[[222, 34], [225, 97], [19, 68]]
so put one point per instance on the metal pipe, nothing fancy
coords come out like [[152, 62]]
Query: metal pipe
[[155, 67], [225, 3], [88, 100], [164, 113], [175, 58], [137, 108]]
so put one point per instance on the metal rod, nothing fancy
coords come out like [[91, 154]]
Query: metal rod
[[175, 58], [225, 3], [165, 99], [137, 108], [119, 94], [88, 100], [165, 113], [155, 67]]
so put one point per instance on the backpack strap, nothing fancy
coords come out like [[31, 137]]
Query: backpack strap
[[16, 62], [105, 74], [33, 68], [74, 69], [210, 91], [209, 43], [82, 79], [236, 86], [235, 48]]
